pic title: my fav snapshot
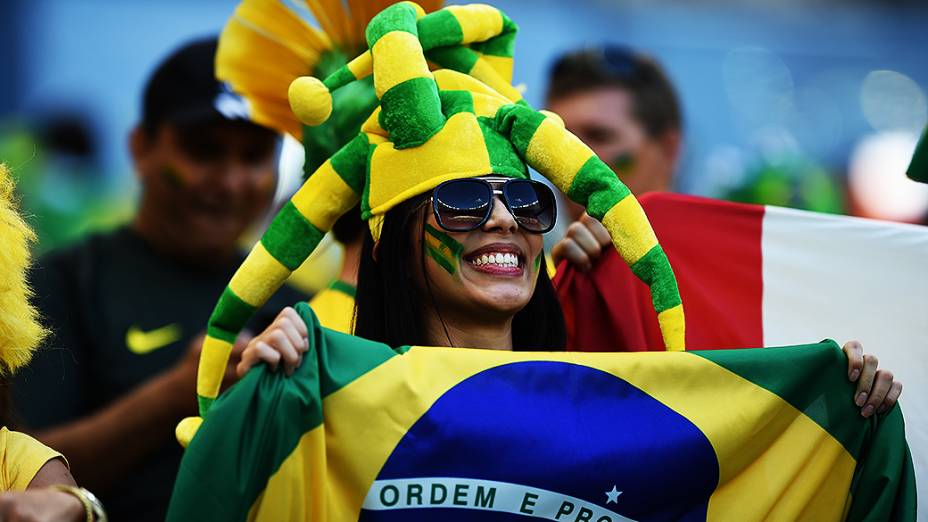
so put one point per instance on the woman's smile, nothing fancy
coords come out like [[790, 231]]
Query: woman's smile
[[497, 259]]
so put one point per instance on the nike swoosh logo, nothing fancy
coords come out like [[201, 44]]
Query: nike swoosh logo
[[140, 342]]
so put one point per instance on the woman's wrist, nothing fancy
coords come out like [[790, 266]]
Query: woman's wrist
[[87, 505]]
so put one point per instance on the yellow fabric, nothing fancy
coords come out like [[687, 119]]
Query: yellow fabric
[[324, 197], [283, 486], [673, 328], [483, 71], [361, 66], [398, 57], [310, 100], [556, 154], [402, 174], [630, 230], [334, 309], [479, 22], [487, 105], [449, 80], [212, 368], [259, 276], [501, 64], [21, 457], [772, 450]]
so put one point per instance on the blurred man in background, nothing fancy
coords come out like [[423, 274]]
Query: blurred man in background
[[624, 107], [127, 308]]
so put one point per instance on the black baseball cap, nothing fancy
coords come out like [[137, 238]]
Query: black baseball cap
[[184, 89]]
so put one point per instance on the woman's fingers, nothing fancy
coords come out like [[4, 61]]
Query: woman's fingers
[[597, 229], [288, 351], [290, 330], [297, 321], [865, 383], [568, 249], [891, 397], [882, 382], [585, 239], [258, 351], [855, 359]]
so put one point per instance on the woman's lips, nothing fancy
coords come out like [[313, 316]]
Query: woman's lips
[[497, 259]]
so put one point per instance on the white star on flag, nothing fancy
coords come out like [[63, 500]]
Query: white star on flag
[[613, 496]]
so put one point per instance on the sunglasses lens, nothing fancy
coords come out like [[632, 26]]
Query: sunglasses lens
[[462, 205], [532, 203]]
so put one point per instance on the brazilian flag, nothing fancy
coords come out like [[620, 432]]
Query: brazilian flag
[[363, 431]]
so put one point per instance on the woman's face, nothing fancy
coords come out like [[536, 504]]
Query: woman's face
[[487, 273]]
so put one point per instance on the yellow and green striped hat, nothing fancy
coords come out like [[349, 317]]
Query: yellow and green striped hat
[[462, 120]]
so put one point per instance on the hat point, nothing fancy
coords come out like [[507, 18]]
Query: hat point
[[310, 100]]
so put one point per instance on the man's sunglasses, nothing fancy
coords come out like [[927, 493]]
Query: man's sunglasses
[[462, 205]]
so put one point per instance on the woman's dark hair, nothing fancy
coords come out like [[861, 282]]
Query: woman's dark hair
[[390, 310]]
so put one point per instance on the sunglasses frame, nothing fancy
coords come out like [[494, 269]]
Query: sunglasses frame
[[492, 183]]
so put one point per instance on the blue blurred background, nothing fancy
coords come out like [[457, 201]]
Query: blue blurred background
[[796, 88]]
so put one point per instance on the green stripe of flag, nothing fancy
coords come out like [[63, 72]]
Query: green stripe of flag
[[653, 268], [597, 188], [290, 238], [411, 112]]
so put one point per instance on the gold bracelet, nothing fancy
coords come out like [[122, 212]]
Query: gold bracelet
[[76, 492]]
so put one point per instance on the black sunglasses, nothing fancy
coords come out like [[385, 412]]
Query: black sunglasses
[[462, 205]]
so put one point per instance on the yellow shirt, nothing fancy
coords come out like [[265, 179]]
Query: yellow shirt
[[21, 457], [334, 306]]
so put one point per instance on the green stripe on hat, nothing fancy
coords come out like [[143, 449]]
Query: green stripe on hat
[[457, 58], [453, 102], [366, 196], [503, 156], [652, 268], [291, 237], [502, 45], [597, 188], [439, 29], [398, 17], [230, 314], [411, 112], [343, 76], [350, 162], [519, 122]]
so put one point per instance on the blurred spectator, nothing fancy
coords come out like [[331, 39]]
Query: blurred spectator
[[127, 307], [622, 105]]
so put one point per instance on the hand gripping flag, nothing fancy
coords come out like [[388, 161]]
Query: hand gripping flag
[[365, 432], [463, 120]]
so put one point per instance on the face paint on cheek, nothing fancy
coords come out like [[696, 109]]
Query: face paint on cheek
[[538, 260], [443, 249]]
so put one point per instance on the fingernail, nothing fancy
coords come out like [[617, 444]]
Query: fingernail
[[861, 398], [868, 411], [855, 373]]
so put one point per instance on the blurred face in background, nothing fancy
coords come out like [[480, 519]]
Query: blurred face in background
[[203, 184], [604, 118]]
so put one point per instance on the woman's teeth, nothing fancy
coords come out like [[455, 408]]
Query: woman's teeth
[[499, 259]]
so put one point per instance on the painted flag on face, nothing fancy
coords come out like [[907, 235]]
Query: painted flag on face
[[765, 276], [366, 432]]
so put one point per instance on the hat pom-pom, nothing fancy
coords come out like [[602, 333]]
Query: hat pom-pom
[[310, 100], [186, 429]]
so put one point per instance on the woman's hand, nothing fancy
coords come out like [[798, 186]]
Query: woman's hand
[[876, 392], [285, 339], [583, 243], [40, 505]]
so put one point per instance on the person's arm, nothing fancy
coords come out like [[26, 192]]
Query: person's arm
[[41, 503]]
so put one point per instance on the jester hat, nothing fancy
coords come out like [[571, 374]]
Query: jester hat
[[463, 120]]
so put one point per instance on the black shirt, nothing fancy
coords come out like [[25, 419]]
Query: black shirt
[[120, 314]]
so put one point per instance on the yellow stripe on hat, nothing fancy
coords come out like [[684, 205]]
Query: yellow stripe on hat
[[212, 368], [361, 66], [479, 22], [557, 154], [483, 71], [399, 58], [673, 328], [487, 105], [259, 276], [631, 233], [501, 64], [324, 198]]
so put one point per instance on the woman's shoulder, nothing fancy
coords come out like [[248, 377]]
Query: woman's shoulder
[[21, 457]]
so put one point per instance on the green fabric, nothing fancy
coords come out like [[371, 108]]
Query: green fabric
[[350, 162], [397, 17], [339, 79], [275, 411], [597, 188], [664, 292], [230, 314], [884, 482], [290, 237], [411, 112], [502, 45], [365, 197], [352, 105], [343, 287], [439, 29], [519, 123], [504, 160], [918, 169], [457, 58], [453, 102]]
